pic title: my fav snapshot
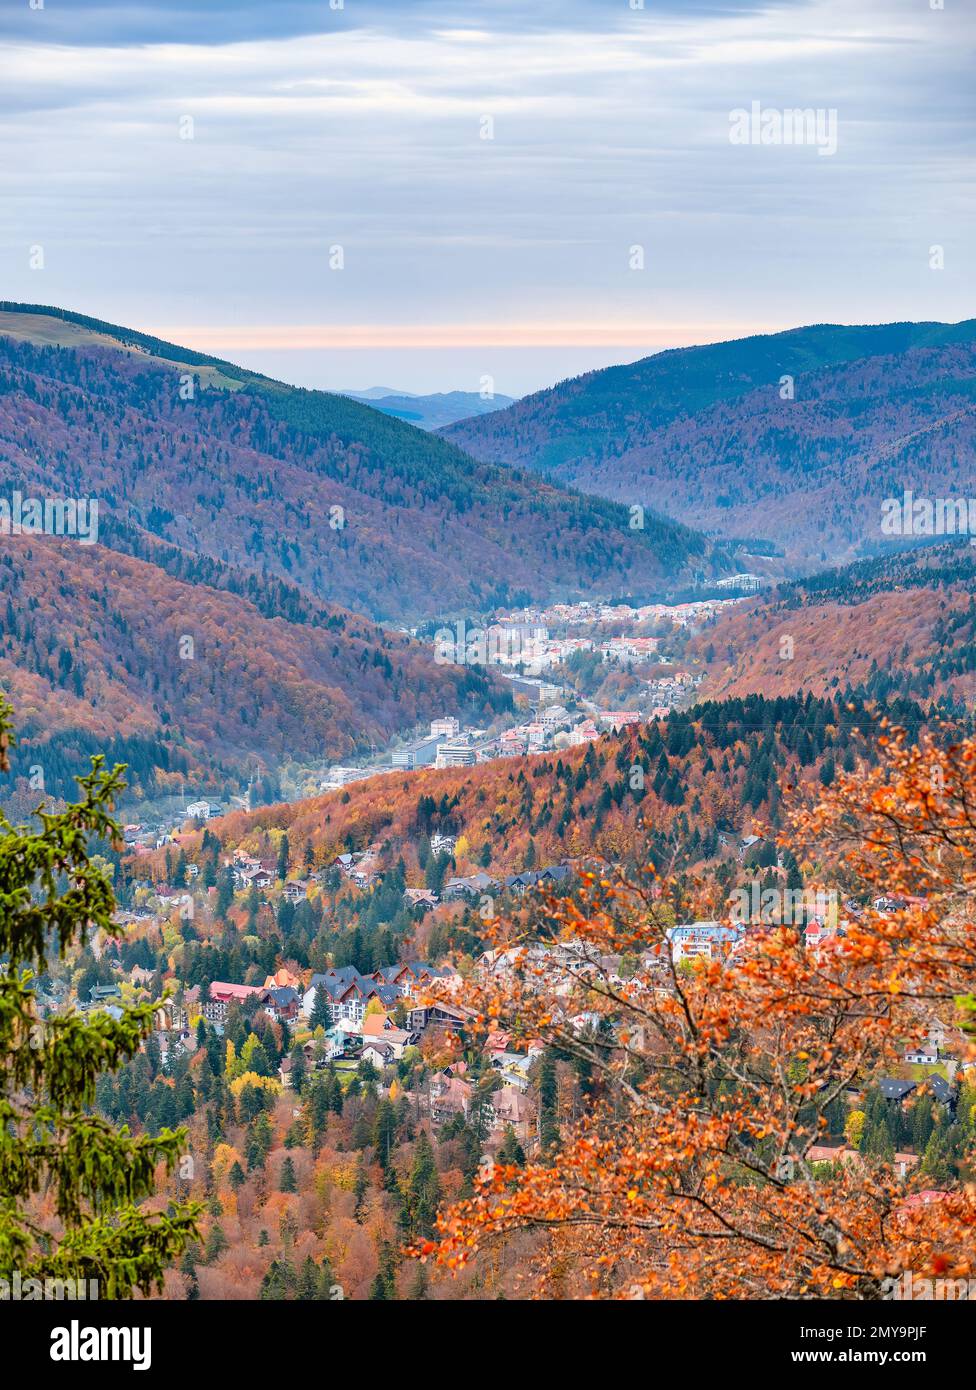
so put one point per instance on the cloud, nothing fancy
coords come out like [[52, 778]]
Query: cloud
[[364, 129]]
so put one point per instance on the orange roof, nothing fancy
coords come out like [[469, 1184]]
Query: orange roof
[[375, 1023]]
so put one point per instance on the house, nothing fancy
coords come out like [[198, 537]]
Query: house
[[903, 1163], [297, 890], [897, 1090], [407, 975], [420, 897], [442, 844], [923, 1055], [449, 1096], [554, 874], [749, 842], [833, 1153], [175, 1043], [282, 1004], [380, 1053], [940, 1090], [472, 887], [282, 979], [514, 1067], [900, 1091], [543, 878], [104, 994], [510, 1107], [378, 1027]]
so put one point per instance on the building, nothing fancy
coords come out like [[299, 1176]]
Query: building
[[338, 776], [420, 897], [620, 718], [348, 994], [421, 753], [449, 1096], [555, 717], [222, 995], [510, 1107], [458, 753], [447, 727], [711, 940], [744, 583], [380, 1053], [471, 887], [282, 1004]]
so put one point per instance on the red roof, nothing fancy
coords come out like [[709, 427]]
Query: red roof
[[221, 992]]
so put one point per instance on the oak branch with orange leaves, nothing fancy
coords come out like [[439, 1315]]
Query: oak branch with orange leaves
[[692, 1172]]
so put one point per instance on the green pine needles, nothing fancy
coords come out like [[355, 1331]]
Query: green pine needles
[[71, 1183]]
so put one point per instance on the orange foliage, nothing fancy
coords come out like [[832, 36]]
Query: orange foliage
[[690, 1176]]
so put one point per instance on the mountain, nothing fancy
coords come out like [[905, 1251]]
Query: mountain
[[898, 626], [796, 437], [352, 505], [179, 666], [430, 412]]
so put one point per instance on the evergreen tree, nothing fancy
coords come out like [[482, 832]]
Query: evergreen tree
[[308, 1281], [510, 1151], [51, 1139], [423, 1190], [321, 1015], [548, 1102], [287, 1181], [299, 1069]]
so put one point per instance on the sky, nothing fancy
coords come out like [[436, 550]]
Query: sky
[[478, 194]]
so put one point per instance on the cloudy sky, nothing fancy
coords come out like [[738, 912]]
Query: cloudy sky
[[363, 126]]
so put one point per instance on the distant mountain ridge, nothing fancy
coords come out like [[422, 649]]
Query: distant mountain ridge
[[795, 436], [432, 411]]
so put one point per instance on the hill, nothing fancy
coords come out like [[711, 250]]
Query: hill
[[354, 506], [666, 790], [898, 625], [181, 667], [796, 437]]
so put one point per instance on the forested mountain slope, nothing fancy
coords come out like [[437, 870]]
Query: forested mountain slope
[[357, 507], [796, 437]]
